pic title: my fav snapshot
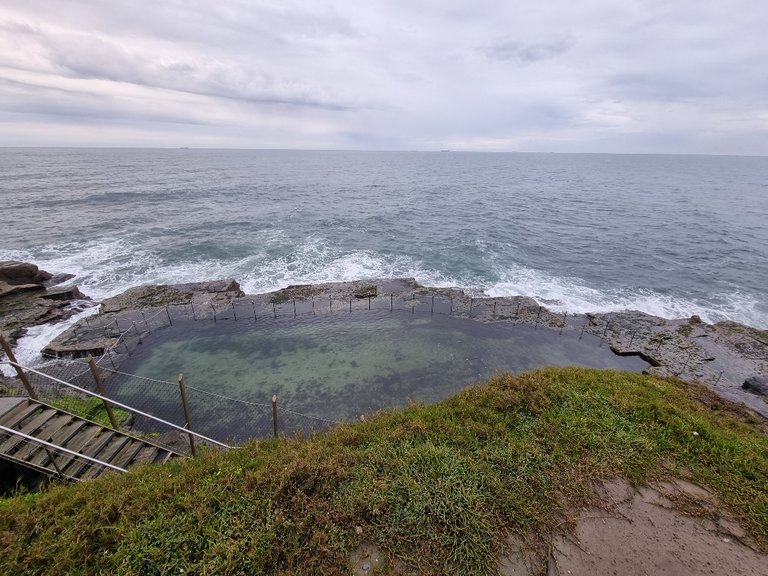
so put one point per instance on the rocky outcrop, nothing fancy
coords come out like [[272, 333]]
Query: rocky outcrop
[[28, 299], [125, 316], [141, 297], [756, 385]]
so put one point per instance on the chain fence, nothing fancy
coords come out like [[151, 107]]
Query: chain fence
[[113, 338]]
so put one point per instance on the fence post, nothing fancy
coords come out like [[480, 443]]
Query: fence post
[[432, 310], [606, 328], [294, 307], [274, 415], [718, 377], [517, 312], [494, 309], [100, 388], [391, 301], [253, 305], [471, 302], [451, 312], [234, 311], [144, 317], [369, 303], [23, 377], [274, 310], [194, 316], [183, 391], [350, 304], [632, 339], [313, 305], [538, 314], [214, 312], [168, 313], [563, 326], [330, 304], [586, 319]]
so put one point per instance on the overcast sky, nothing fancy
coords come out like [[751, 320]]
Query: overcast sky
[[677, 76]]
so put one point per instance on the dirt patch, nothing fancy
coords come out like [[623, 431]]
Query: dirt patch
[[643, 532]]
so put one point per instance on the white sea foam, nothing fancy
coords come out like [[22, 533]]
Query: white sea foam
[[28, 347], [575, 295]]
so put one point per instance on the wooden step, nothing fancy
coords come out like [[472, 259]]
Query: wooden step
[[28, 427], [12, 418], [79, 443], [64, 435], [44, 433], [70, 432], [146, 455]]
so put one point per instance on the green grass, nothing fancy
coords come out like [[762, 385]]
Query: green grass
[[90, 409], [439, 486]]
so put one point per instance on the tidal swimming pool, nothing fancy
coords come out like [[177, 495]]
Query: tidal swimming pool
[[340, 366]]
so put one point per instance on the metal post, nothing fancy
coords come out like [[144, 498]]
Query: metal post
[[451, 312], [659, 346], [234, 311], [471, 303], [102, 391], [253, 305], [133, 325], [517, 312], [536, 323], [350, 304], [194, 316], [586, 319], [117, 325], [111, 361], [330, 304], [494, 309], [369, 303], [718, 377], [432, 310], [632, 339], [23, 377], [168, 312], [294, 307], [188, 426], [313, 305], [274, 309], [391, 301], [144, 317], [214, 312], [274, 415], [563, 326], [606, 328]]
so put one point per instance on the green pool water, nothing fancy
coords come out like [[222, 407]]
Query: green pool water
[[340, 366]]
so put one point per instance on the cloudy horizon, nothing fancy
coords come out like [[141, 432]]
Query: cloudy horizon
[[639, 77]]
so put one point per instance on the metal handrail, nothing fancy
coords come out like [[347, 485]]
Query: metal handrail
[[121, 405], [62, 449]]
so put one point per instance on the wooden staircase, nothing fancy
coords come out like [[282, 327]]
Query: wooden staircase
[[73, 433]]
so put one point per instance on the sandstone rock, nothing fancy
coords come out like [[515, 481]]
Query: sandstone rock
[[164, 295], [756, 385], [14, 273], [25, 299]]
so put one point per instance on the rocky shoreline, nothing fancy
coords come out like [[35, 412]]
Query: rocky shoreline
[[729, 358]]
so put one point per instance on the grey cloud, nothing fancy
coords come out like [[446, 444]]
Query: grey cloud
[[510, 50]]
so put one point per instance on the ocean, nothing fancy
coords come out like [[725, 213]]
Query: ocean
[[668, 235]]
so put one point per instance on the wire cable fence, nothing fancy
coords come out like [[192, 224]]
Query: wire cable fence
[[234, 420]]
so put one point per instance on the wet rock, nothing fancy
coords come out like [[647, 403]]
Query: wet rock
[[756, 385], [16, 273], [174, 294], [26, 298]]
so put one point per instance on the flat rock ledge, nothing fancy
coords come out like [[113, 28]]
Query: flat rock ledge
[[723, 356]]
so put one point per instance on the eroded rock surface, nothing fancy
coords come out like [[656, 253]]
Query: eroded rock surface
[[27, 298]]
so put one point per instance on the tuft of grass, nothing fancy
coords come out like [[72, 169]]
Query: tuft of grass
[[90, 408], [438, 486]]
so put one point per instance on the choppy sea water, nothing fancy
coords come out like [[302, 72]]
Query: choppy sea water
[[668, 235]]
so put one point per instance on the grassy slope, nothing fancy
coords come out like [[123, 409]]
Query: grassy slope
[[438, 485]]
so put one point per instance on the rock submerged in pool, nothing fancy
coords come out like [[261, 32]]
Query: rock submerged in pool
[[756, 385]]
